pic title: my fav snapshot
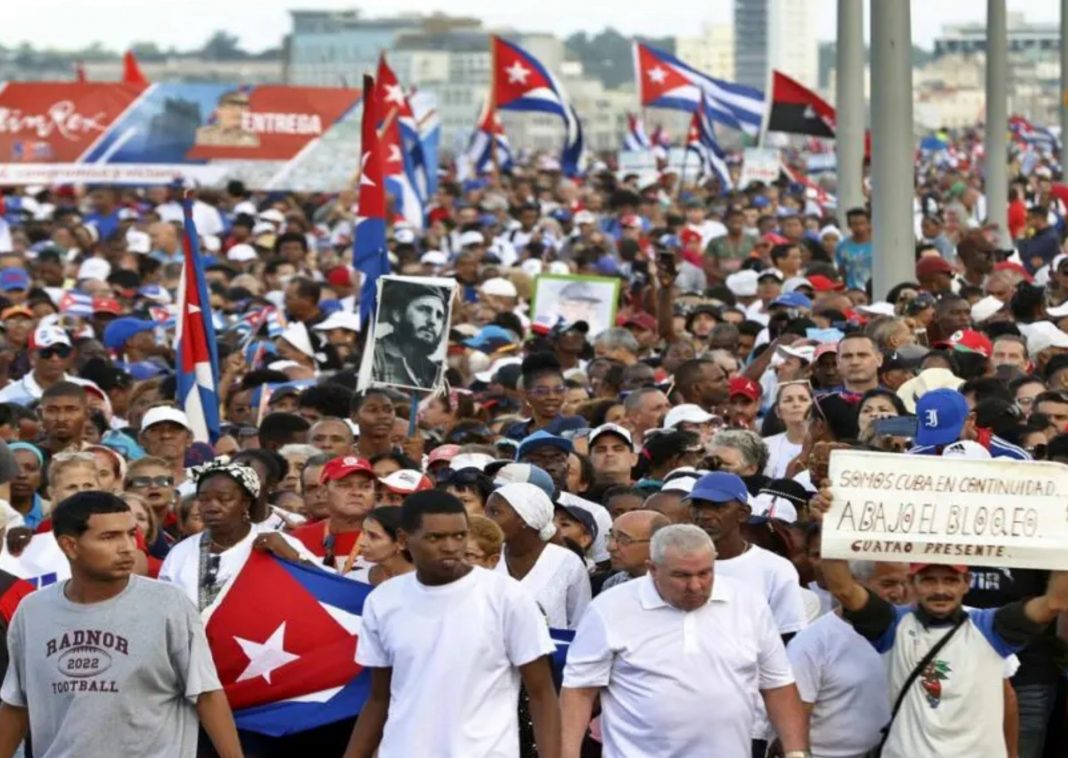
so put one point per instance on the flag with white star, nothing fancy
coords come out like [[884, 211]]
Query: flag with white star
[[370, 256], [196, 357], [283, 637], [665, 81], [404, 164], [522, 83]]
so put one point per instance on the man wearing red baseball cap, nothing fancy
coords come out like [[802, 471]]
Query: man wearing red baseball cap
[[744, 402], [945, 661], [350, 496]]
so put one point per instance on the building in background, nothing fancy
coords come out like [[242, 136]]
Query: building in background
[[712, 52], [775, 34]]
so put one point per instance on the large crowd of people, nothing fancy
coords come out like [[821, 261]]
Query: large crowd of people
[[654, 485]]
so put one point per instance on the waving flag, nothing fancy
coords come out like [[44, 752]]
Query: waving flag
[[428, 121], [636, 140], [403, 162], [477, 157], [284, 635], [197, 360], [522, 83], [664, 81], [701, 141], [796, 109], [1033, 134], [369, 236]]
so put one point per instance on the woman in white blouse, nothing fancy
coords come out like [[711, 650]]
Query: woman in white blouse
[[554, 576], [793, 404]]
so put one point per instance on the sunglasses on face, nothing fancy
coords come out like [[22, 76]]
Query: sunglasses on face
[[63, 351], [139, 482], [465, 477]]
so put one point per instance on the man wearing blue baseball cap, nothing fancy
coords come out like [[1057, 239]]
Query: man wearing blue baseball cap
[[943, 417], [719, 504], [550, 452]]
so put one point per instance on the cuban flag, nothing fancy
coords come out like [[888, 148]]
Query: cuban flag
[[369, 253], [284, 635], [522, 83], [197, 360], [664, 81], [636, 140], [701, 141], [1033, 134], [477, 157], [403, 161], [428, 121]]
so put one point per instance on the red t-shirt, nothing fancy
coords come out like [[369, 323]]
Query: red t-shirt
[[313, 537]]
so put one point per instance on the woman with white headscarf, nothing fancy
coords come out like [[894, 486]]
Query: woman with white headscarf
[[554, 576]]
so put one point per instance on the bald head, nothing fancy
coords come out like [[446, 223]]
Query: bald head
[[331, 435], [669, 504], [628, 542], [641, 524]]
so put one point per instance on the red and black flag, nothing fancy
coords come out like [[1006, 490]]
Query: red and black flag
[[798, 110]]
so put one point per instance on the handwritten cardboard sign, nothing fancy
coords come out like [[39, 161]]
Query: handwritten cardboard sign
[[916, 508]]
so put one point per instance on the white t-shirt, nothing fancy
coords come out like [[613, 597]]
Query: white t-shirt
[[775, 578], [181, 567], [559, 584], [780, 452], [455, 652], [840, 672], [672, 679]]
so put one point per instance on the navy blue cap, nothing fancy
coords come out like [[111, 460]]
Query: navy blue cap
[[541, 438], [719, 487]]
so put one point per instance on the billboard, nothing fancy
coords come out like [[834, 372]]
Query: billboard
[[270, 137]]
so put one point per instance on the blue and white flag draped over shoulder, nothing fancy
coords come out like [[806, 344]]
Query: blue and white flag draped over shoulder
[[664, 81], [522, 83], [196, 357]]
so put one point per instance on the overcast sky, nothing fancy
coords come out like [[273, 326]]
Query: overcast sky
[[261, 24]]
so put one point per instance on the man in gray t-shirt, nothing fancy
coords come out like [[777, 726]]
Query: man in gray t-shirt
[[107, 663]]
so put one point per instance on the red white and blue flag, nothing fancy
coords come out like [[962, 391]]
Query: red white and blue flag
[[370, 256], [197, 360], [403, 161], [636, 140], [283, 636], [477, 158], [522, 83], [664, 81], [1033, 134], [701, 142]]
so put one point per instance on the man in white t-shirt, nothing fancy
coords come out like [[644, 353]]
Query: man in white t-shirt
[[671, 654], [448, 645], [719, 504], [841, 679]]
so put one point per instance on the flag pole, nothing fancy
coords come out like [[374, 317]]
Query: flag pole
[[491, 110], [769, 94]]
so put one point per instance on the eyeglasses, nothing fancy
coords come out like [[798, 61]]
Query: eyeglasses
[[622, 539], [63, 351], [139, 482], [547, 391]]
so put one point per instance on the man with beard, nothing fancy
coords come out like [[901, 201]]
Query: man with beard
[[417, 315], [64, 410]]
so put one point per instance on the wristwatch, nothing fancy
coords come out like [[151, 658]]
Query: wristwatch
[[798, 754]]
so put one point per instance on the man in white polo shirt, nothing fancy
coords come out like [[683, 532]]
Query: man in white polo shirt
[[51, 356], [673, 656]]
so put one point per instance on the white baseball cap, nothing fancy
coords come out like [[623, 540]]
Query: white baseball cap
[[406, 481], [434, 258], [273, 216], [611, 429], [94, 268], [472, 238], [138, 241], [967, 449], [743, 283], [49, 335], [689, 413], [164, 413], [498, 286], [339, 320], [242, 253], [989, 305], [1042, 335]]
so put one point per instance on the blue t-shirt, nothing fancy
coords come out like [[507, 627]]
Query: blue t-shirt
[[854, 258]]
